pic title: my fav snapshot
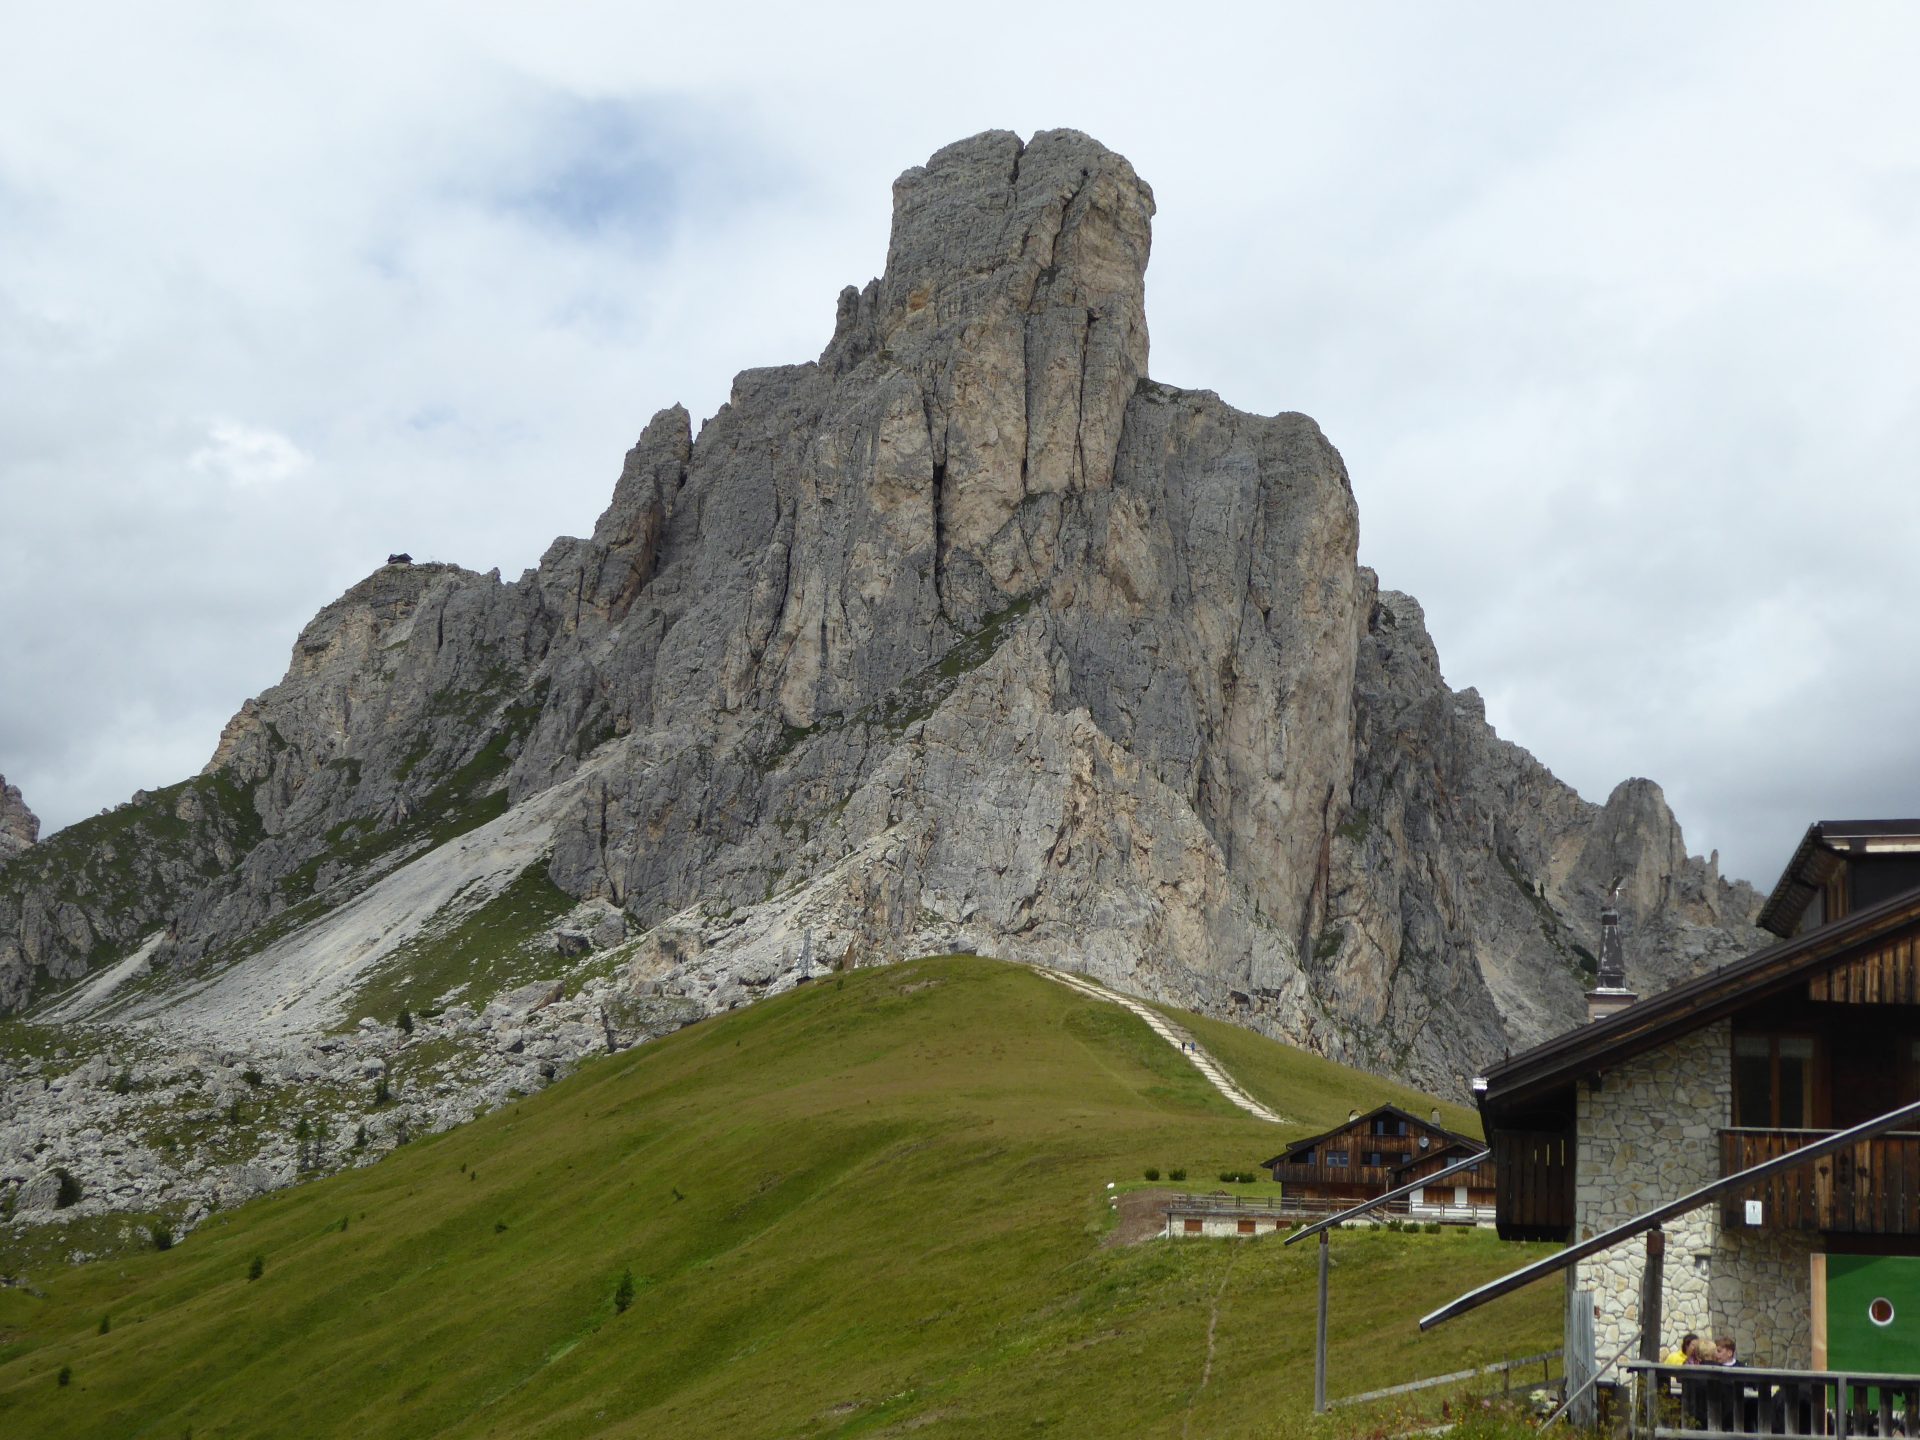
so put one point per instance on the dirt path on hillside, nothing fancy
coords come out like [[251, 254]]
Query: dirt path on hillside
[[1213, 1321], [1180, 1039]]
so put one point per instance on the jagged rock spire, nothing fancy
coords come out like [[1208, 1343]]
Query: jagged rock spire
[[19, 826]]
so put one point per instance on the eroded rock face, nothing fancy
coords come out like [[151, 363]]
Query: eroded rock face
[[967, 634], [1468, 881], [19, 826]]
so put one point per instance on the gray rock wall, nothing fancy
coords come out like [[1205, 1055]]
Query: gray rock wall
[[19, 826], [966, 633]]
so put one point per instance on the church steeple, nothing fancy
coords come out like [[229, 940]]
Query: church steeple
[[1610, 995]]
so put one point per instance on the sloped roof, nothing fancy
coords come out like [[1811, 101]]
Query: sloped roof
[[1691, 1004], [1460, 1149], [1312, 1140], [1817, 856]]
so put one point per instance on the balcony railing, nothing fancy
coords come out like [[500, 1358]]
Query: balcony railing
[[1700, 1402], [1872, 1188]]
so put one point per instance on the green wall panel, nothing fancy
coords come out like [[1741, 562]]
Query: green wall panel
[[1854, 1342]]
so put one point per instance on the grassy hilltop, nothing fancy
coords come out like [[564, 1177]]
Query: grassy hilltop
[[874, 1206]]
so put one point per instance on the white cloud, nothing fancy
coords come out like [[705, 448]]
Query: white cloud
[[246, 456], [1611, 317]]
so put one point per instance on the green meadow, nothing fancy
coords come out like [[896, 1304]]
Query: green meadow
[[877, 1205]]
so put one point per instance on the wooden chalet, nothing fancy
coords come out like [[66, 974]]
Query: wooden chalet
[[1374, 1153], [1797, 1041], [1464, 1195]]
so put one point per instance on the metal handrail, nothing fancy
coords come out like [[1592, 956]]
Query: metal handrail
[[1591, 1380], [1692, 1200], [1379, 1200], [1804, 1130]]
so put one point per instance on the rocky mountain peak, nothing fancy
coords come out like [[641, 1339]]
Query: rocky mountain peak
[[1000, 348], [965, 635], [19, 826]]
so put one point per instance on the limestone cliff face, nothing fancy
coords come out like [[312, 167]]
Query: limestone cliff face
[[1468, 882], [19, 826], [967, 633]]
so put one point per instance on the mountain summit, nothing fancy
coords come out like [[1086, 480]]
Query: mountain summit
[[966, 635]]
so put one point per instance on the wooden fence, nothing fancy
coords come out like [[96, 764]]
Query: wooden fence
[[1502, 1368]]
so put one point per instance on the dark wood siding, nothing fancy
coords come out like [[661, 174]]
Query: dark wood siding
[[1374, 1162], [1887, 974], [1480, 1177], [1872, 1188], [1535, 1183]]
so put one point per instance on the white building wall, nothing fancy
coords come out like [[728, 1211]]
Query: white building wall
[[1217, 1227], [1646, 1135]]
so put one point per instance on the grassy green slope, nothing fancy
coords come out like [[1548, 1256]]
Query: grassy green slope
[[1304, 1087], [876, 1203]]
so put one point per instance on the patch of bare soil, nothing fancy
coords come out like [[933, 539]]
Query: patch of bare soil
[[1143, 1215]]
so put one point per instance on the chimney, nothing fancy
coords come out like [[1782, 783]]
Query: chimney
[[1611, 995]]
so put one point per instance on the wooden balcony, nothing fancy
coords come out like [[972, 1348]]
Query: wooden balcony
[[1871, 1188], [1365, 1179]]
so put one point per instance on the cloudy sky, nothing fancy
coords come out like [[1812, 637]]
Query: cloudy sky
[[1612, 313]]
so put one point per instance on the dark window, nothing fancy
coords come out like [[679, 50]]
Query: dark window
[[1773, 1081], [1376, 1158], [1881, 877], [1336, 1157], [1304, 1157]]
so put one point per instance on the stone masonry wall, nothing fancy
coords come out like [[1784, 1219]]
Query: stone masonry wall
[[1646, 1135]]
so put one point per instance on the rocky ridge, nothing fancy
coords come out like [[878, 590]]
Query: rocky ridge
[[966, 635], [19, 826]]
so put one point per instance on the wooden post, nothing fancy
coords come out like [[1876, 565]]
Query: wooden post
[[1580, 1358], [1650, 1278], [1652, 1287], [1320, 1337]]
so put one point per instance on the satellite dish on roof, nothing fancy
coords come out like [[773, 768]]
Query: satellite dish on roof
[[1353, 1114], [1425, 1141]]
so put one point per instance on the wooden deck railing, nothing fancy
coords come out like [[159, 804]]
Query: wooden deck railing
[[1282, 1206], [1704, 1402], [1872, 1188]]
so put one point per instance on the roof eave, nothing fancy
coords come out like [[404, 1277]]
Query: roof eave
[[1687, 1006]]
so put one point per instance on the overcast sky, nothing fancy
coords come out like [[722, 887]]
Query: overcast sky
[[1611, 311]]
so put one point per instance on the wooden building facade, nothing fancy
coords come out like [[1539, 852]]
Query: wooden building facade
[[1374, 1153]]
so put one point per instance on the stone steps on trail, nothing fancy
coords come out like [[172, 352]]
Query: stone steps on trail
[[1174, 1035]]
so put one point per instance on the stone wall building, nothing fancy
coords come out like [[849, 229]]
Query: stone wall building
[[1645, 1135], [1654, 1099]]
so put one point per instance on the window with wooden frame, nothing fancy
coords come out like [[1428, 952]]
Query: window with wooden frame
[[1246, 1227], [1192, 1227], [1773, 1081]]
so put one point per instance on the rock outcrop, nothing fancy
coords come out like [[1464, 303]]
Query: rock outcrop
[[19, 826], [966, 634]]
